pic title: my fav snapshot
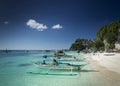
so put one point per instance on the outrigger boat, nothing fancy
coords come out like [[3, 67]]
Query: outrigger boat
[[59, 65], [62, 66], [52, 74]]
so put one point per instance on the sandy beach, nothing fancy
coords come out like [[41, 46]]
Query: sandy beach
[[108, 66]]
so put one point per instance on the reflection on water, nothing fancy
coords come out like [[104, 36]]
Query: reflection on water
[[26, 64]]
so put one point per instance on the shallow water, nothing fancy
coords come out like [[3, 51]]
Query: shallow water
[[14, 65]]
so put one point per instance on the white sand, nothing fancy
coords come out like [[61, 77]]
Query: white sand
[[109, 60]]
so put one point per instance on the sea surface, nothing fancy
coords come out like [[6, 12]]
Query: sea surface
[[14, 66]]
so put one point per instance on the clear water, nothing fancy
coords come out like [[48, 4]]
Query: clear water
[[15, 64]]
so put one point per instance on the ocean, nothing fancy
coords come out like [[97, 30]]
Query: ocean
[[14, 66]]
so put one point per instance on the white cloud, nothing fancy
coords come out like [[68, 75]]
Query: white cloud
[[35, 25], [57, 26]]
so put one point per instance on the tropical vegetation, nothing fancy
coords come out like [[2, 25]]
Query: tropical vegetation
[[106, 38]]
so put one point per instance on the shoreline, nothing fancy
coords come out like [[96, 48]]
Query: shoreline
[[104, 68]]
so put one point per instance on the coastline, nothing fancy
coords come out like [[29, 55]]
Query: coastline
[[107, 67]]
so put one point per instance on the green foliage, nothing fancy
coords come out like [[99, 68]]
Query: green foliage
[[108, 33], [101, 33], [81, 44], [77, 45], [111, 37], [107, 36], [78, 41], [99, 45]]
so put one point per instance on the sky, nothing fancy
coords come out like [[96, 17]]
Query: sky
[[52, 24]]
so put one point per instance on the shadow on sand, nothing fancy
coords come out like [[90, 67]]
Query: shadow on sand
[[89, 70]]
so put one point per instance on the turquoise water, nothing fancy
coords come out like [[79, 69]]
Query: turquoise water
[[15, 64]]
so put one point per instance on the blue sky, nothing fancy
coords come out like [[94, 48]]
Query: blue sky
[[52, 24]]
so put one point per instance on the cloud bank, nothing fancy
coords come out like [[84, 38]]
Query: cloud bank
[[57, 26], [36, 25]]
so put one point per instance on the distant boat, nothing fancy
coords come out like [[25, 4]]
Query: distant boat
[[6, 51], [59, 53], [47, 50], [110, 54]]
